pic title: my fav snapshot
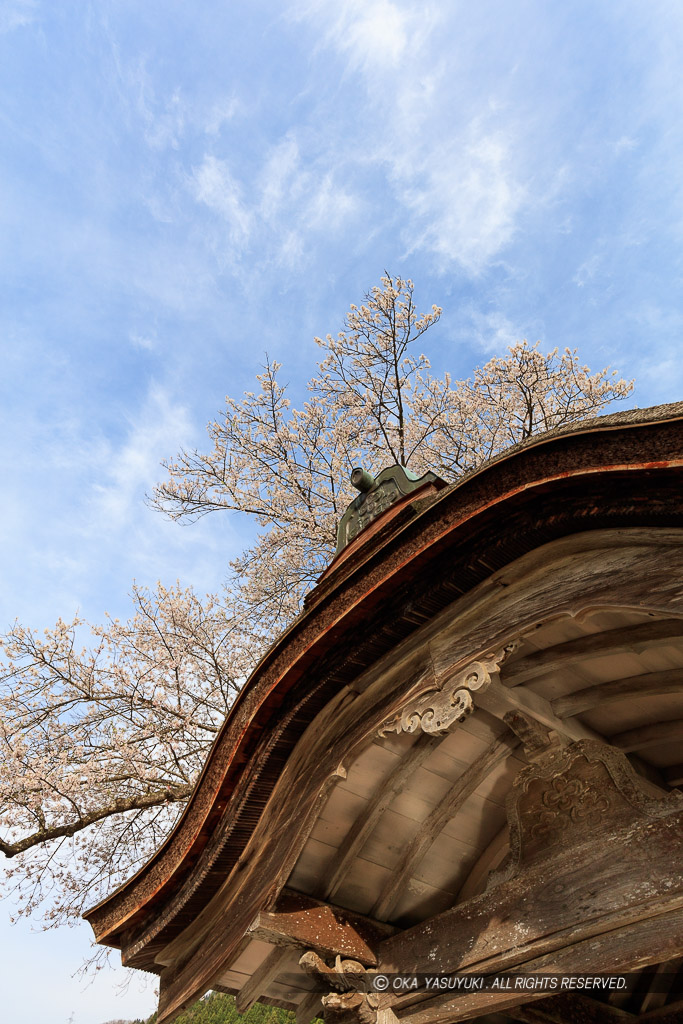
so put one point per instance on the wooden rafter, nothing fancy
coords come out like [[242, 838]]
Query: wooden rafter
[[647, 685], [671, 1014], [673, 775], [308, 1008], [649, 735], [570, 1009], [434, 824], [661, 983], [282, 1004], [500, 701], [488, 861], [625, 639], [366, 821], [274, 964]]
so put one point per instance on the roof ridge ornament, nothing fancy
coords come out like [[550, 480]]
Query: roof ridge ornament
[[377, 494]]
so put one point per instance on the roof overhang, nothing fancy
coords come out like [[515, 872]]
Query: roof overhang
[[617, 473]]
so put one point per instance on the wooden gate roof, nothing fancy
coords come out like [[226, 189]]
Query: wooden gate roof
[[554, 570]]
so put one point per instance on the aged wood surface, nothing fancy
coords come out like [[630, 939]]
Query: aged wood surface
[[282, 1004], [489, 860], [537, 740], [671, 1014], [450, 701], [632, 639], [673, 775], [628, 947], [500, 701], [309, 1008], [649, 735], [662, 981], [571, 1009], [434, 825], [307, 923], [646, 685], [639, 568], [590, 854], [366, 821], [274, 964]]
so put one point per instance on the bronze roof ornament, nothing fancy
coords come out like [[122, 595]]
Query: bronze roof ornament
[[377, 494]]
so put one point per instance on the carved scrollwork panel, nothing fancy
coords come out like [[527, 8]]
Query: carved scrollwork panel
[[569, 801], [451, 702], [434, 714], [583, 793]]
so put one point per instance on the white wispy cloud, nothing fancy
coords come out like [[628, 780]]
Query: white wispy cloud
[[16, 14], [281, 179], [464, 201], [145, 341], [214, 185], [289, 203], [373, 34], [449, 153], [220, 113], [129, 470], [493, 332], [330, 205]]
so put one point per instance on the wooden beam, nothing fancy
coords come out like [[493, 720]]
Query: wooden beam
[[635, 873], [307, 1010], [671, 1014], [262, 977], [625, 639], [301, 921], [282, 1004], [364, 824], [661, 982], [437, 820], [649, 735], [673, 775], [536, 739], [489, 860], [629, 947], [647, 685], [570, 1009], [500, 701]]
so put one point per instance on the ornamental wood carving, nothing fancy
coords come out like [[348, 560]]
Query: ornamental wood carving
[[451, 702], [345, 1002], [594, 885], [571, 796]]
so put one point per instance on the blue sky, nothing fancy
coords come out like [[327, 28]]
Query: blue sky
[[185, 187]]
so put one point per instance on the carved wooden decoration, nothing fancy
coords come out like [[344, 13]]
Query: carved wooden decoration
[[345, 1001], [440, 708], [571, 793], [433, 714], [583, 834], [587, 874]]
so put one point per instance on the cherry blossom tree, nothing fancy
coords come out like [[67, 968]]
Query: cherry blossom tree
[[103, 729], [372, 402]]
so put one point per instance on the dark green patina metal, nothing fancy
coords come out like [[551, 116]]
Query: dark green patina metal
[[377, 494]]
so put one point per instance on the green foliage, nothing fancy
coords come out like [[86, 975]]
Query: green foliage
[[217, 1008]]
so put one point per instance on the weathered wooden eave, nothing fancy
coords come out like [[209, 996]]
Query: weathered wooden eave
[[234, 784]]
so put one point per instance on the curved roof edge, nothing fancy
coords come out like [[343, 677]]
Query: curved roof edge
[[226, 799]]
